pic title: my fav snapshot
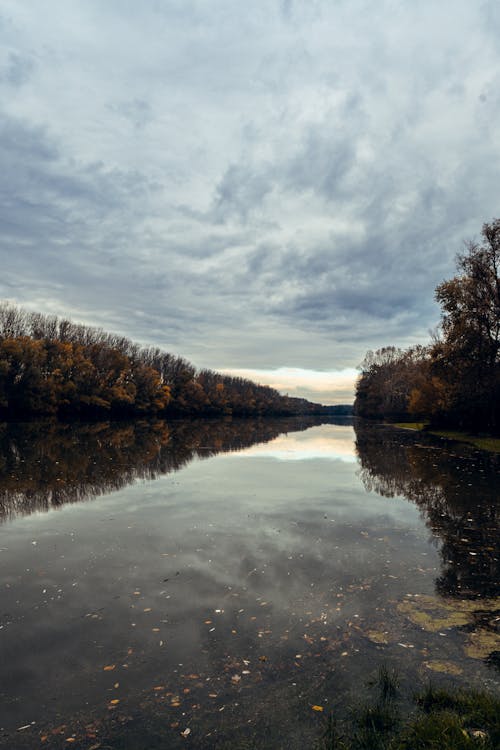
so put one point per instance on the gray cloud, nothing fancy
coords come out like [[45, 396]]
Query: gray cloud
[[16, 69], [248, 186], [138, 112]]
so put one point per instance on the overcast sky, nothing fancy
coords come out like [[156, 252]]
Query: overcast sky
[[266, 186]]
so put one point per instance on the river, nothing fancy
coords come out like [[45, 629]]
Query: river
[[214, 584]]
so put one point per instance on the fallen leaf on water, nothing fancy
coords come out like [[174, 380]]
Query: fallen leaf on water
[[116, 685], [235, 678], [262, 658], [159, 687], [317, 708], [186, 732], [70, 739], [109, 667], [114, 701], [148, 609]]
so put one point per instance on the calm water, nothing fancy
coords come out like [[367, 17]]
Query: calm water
[[225, 577]]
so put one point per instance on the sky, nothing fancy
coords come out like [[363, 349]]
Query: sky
[[270, 187]]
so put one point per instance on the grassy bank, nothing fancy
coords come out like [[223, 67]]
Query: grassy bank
[[441, 720], [483, 442]]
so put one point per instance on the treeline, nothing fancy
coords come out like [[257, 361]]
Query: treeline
[[455, 380], [51, 366]]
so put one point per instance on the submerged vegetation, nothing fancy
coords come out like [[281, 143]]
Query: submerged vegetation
[[455, 381], [51, 366]]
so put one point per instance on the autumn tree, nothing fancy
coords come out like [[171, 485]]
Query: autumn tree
[[468, 356], [50, 365], [455, 380], [388, 377]]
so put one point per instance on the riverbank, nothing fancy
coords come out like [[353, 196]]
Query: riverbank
[[483, 442]]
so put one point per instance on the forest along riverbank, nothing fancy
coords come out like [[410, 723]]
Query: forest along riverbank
[[240, 580]]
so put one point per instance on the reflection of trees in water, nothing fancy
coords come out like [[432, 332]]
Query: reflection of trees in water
[[44, 465], [457, 492]]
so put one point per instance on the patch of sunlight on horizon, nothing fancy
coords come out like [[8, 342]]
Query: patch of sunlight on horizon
[[328, 386]]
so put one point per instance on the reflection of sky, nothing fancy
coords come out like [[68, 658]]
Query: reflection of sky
[[227, 558], [332, 442]]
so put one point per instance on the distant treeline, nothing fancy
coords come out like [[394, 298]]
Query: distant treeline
[[339, 410], [51, 366], [455, 380]]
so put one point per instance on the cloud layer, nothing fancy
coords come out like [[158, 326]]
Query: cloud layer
[[251, 186]]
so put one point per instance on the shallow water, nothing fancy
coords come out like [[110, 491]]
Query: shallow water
[[226, 577]]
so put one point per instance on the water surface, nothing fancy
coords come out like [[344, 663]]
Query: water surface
[[223, 577]]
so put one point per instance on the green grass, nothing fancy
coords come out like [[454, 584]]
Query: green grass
[[441, 720]]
